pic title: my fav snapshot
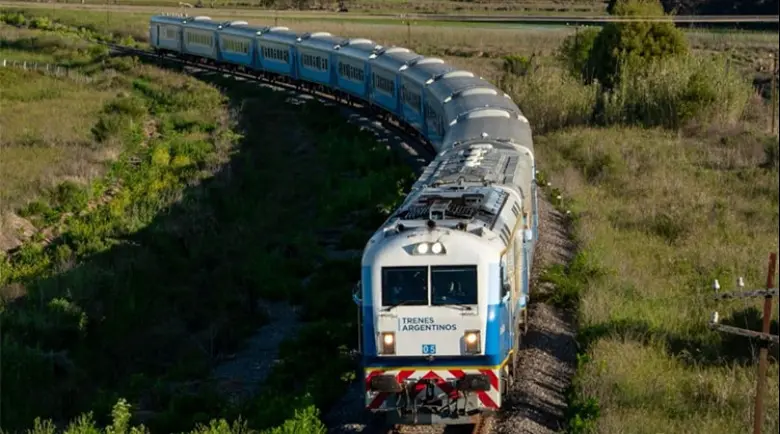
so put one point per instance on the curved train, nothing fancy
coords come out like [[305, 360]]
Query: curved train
[[445, 280]]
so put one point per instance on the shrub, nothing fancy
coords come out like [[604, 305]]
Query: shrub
[[517, 65], [575, 50], [634, 44], [677, 91], [552, 99]]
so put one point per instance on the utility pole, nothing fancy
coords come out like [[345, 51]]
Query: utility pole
[[769, 293], [773, 96]]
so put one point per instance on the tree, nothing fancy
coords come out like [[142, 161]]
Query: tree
[[634, 44]]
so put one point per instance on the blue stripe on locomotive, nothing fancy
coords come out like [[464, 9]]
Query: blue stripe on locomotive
[[367, 306]]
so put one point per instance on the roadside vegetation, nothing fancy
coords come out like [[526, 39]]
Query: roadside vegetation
[[137, 282], [665, 163]]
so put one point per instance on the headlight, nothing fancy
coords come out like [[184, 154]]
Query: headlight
[[472, 340], [388, 343], [425, 248]]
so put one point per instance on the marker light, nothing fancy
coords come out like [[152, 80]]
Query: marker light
[[437, 248], [422, 248], [388, 343], [471, 338]]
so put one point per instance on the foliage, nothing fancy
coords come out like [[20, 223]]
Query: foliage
[[575, 50], [517, 65], [634, 44]]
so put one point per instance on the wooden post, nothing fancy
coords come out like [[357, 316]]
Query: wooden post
[[758, 418], [773, 95]]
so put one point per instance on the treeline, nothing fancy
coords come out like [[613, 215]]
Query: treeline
[[716, 7]]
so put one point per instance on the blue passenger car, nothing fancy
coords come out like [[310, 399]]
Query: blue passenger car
[[237, 43], [414, 79], [352, 67], [200, 37], [385, 64], [276, 51], [316, 56], [165, 33]]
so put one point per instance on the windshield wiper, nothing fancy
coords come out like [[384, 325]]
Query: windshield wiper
[[459, 307], [393, 306]]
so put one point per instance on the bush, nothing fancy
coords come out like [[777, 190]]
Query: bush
[[634, 44], [552, 99], [517, 65], [677, 91], [575, 51]]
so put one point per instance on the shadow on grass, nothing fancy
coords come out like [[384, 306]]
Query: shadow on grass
[[702, 346], [149, 316]]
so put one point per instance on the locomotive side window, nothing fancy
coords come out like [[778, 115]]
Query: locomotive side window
[[405, 285], [454, 284]]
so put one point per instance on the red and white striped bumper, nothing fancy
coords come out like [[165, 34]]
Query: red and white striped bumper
[[432, 388]]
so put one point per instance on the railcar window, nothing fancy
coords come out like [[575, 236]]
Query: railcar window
[[383, 84], [351, 72], [170, 32], [454, 284], [411, 99], [276, 54], [314, 62], [407, 285], [197, 38], [433, 118], [236, 46]]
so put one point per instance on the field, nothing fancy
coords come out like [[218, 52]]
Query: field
[[549, 7], [663, 205]]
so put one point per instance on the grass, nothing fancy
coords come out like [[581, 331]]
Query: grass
[[670, 215]]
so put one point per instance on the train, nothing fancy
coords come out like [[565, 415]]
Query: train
[[443, 292]]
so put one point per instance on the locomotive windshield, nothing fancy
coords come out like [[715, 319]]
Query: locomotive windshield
[[405, 285], [454, 285], [450, 285]]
